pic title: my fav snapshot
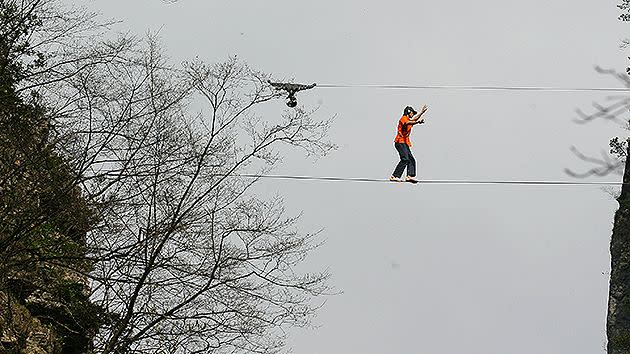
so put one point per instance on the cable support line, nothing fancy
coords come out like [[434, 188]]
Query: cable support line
[[435, 181], [480, 88]]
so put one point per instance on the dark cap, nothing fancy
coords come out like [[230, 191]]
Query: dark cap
[[408, 110]]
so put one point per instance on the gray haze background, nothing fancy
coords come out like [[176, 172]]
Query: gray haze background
[[434, 268]]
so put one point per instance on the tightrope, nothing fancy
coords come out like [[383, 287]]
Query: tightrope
[[436, 181], [479, 88]]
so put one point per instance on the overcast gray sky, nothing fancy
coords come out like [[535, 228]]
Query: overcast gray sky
[[435, 268]]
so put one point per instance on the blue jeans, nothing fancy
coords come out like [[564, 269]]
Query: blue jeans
[[406, 160]]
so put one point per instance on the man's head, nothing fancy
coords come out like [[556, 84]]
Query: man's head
[[409, 111]]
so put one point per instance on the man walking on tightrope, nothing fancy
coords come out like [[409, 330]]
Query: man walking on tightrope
[[403, 144]]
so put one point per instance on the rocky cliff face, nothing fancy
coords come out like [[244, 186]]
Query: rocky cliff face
[[47, 313], [44, 303], [21, 332], [618, 322], [44, 293]]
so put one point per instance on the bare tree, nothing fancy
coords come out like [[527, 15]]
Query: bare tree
[[625, 7], [614, 110], [183, 257], [190, 260]]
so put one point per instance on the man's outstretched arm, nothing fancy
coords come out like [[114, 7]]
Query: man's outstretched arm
[[417, 119]]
